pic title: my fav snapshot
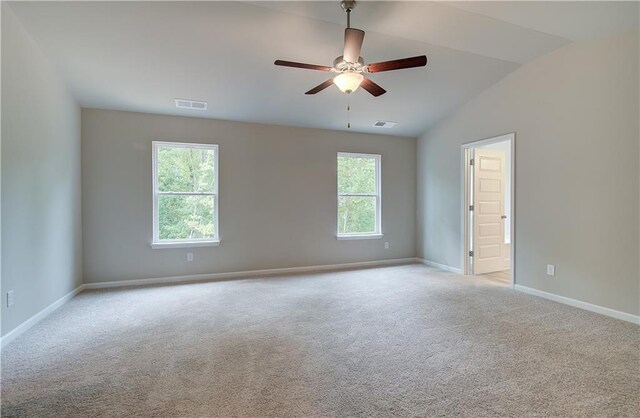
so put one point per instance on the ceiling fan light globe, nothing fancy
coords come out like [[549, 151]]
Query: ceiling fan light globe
[[348, 82]]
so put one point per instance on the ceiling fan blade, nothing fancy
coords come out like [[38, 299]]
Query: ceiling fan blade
[[352, 44], [320, 87], [372, 87], [302, 65], [412, 62]]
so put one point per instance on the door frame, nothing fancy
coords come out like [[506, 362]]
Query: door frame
[[465, 153]]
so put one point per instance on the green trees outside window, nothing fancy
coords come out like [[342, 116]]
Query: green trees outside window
[[358, 194], [185, 195]]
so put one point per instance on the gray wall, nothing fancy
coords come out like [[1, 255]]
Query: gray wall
[[277, 196], [41, 219], [575, 114]]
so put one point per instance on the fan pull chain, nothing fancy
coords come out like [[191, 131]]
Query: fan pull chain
[[348, 111]]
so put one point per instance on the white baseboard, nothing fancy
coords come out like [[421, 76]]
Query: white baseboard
[[20, 329], [244, 274], [439, 266], [635, 319]]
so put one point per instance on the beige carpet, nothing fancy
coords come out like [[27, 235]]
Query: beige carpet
[[398, 341]]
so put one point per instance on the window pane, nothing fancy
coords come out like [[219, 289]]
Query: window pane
[[356, 215], [185, 217], [185, 169], [356, 175]]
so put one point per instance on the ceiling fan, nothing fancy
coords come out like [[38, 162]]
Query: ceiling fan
[[350, 66]]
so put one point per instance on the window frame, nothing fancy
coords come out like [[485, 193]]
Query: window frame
[[156, 243], [377, 234]]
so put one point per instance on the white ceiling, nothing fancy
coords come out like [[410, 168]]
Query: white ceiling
[[139, 56], [571, 20]]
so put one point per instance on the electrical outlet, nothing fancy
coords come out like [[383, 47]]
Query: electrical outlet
[[189, 257], [386, 245], [10, 299], [551, 270]]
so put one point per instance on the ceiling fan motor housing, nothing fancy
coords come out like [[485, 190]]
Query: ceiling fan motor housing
[[339, 64]]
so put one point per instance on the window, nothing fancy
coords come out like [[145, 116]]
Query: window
[[359, 201], [185, 195]]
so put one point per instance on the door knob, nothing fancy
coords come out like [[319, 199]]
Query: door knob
[[503, 217]]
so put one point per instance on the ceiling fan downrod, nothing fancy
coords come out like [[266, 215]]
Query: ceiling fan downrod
[[348, 6]]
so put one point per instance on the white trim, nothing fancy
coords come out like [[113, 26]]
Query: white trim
[[358, 236], [23, 327], [635, 319], [20, 329], [466, 173], [243, 274], [185, 244], [155, 241], [489, 141], [464, 233], [440, 266], [358, 154], [378, 195]]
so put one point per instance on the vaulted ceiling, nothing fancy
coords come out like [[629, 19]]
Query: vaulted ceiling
[[139, 56]]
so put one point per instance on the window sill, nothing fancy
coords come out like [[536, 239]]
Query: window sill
[[191, 244], [359, 236]]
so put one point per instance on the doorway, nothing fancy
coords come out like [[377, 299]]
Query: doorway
[[488, 173]]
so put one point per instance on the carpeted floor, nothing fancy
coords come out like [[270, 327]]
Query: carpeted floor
[[503, 276], [397, 341]]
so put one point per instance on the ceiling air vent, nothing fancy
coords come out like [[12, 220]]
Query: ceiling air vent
[[191, 104], [383, 124]]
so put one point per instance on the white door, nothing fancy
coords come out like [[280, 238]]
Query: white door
[[488, 211]]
